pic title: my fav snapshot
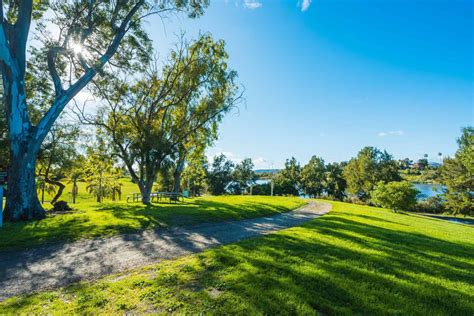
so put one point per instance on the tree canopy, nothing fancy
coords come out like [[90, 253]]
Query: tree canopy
[[219, 174], [166, 111], [365, 171], [457, 174], [243, 176], [312, 177], [397, 196]]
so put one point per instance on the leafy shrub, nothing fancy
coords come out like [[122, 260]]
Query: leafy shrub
[[395, 195], [435, 204], [354, 199]]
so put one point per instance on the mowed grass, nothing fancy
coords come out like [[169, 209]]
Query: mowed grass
[[92, 219], [354, 260]]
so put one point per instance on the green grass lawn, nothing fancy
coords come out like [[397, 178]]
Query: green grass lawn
[[354, 260], [93, 219]]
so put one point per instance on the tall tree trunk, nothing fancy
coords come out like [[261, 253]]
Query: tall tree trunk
[[22, 199], [74, 191], [60, 190], [42, 192], [177, 175], [99, 193], [145, 190]]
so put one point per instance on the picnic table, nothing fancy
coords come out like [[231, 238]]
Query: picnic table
[[158, 196]]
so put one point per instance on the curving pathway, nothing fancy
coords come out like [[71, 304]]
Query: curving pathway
[[58, 265]]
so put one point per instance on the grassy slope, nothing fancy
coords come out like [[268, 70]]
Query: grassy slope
[[356, 259], [93, 219]]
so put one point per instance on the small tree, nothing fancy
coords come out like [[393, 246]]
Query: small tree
[[422, 164], [292, 173], [395, 195], [371, 165], [219, 174], [457, 174], [56, 157], [334, 182], [194, 174], [312, 177], [75, 174], [243, 176], [284, 186], [101, 176]]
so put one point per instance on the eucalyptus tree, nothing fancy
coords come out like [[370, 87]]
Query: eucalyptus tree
[[147, 119], [76, 40]]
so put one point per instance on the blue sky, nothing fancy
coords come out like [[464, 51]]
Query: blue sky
[[327, 78]]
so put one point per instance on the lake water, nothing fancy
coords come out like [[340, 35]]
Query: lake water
[[428, 190], [466, 221]]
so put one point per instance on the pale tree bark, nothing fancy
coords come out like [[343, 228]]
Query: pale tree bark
[[24, 138]]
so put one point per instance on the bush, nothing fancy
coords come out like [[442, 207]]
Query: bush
[[354, 199], [395, 195], [435, 204], [61, 206]]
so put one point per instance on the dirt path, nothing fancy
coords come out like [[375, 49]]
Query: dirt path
[[58, 265]]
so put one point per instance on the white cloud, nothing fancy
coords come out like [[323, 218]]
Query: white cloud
[[252, 4], [259, 162], [391, 133], [229, 155], [305, 5]]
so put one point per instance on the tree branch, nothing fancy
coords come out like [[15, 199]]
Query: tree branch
[[63, 98]]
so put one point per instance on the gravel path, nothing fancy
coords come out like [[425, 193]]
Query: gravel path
[[58, 265]]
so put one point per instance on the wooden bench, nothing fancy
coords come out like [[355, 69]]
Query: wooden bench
[[172, 196], [157, 196], [135, 197]]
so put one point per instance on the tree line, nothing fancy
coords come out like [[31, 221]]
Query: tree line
[[372, 177]]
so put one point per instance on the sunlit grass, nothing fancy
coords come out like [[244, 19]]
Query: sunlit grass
[[354, 260], [92, 219]]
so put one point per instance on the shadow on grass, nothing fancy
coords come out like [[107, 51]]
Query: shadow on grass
[[334, 265], [60, 264], [355, 268], [117, 218]]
